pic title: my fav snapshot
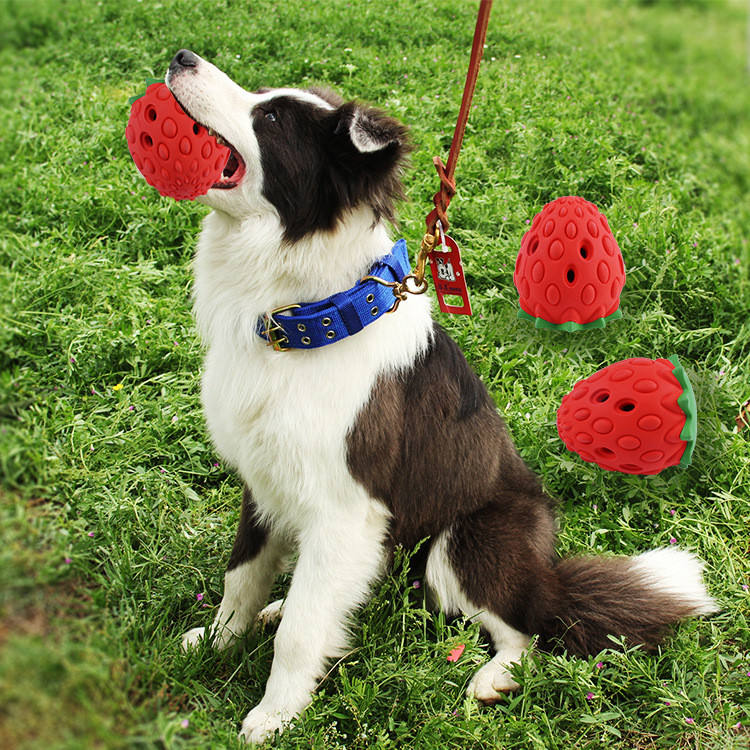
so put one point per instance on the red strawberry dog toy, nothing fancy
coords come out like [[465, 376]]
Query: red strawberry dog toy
[[569, 272], [637, 416], [174, 153]]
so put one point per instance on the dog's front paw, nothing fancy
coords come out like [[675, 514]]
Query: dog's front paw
[[221, 637], [490, 683], [271, 614], [192, 638], [260, 725]]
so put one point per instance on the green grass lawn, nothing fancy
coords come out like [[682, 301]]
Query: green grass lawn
[[116, 514]]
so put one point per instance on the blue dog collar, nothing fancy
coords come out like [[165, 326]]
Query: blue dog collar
[[315, 324]]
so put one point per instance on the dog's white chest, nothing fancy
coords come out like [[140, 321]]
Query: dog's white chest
[[282, 418]]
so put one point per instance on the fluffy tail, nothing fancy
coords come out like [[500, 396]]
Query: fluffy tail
[[635, 597]]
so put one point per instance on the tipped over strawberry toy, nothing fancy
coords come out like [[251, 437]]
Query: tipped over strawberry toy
[[637, 416]]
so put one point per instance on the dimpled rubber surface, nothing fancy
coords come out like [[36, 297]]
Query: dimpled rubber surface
[[626, 417], [569, 272], [176, 155]]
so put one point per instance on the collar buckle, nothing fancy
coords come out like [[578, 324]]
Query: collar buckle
[[273, 331]]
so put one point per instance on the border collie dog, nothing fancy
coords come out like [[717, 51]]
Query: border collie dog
[[333, 442]]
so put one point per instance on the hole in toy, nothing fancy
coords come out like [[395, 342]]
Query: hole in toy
[[631, 467], [600, 396], [570, 276], [146, 140], [196, 128], [533, 245], [606, 452], [585, 250], [626, 406], [584, 253], [151, 113]]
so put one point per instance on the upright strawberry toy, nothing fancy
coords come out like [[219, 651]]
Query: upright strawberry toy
[[637, 416], [569, 272], [174, 153]]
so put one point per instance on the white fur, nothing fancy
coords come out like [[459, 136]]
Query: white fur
[[263, 408], [493, 678], [677, 572]]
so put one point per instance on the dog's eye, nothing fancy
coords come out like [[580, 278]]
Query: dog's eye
[[271, 116]]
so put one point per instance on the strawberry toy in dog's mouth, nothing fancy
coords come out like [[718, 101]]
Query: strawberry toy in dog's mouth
[[177, 155]]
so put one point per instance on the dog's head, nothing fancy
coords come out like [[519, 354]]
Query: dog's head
[[306, 156]]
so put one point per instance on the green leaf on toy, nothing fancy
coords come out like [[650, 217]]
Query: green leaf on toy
[[570, 325], [149, 81], [686, 402]]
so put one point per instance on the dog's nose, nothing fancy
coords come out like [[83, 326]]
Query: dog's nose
[[184, 59]]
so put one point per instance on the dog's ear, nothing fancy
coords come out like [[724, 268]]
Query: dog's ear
[[366, 151], [368, 131]]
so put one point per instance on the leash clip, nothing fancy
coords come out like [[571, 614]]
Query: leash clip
[[402, 288]]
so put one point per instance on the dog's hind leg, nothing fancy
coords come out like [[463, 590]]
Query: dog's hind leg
[[255, 560], [339, 559], [489, 566]]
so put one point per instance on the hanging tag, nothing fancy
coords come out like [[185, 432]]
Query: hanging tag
[[448, 276]]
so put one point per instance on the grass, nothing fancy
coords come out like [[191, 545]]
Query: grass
[[115, 511]]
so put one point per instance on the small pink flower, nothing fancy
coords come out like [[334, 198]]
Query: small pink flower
[[67, 561], [416, 585], [672, 512], [91, 533], [455, 653], [599, 664], [185, 723], [688, 720], [745, 587], [199, 597], [667, 703], [589, 696], [672, 540]]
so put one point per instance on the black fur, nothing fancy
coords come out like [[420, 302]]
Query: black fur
[[431, 445], [250, 537], [313, 173]]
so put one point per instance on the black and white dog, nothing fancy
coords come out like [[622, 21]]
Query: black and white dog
[[333, 442]]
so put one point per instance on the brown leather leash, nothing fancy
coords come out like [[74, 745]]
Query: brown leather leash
[[447, 190], [437, 219], [443, 197]]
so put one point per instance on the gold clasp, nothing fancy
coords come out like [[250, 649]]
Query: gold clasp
[[401, 288], [275, 334], [428, 245], [412, 283]]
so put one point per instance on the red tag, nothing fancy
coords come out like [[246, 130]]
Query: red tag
[[448, 276]]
